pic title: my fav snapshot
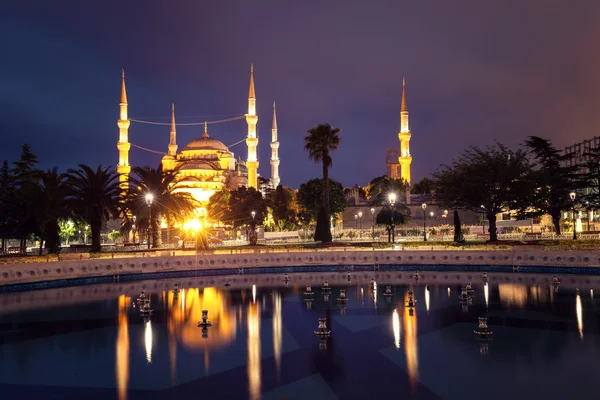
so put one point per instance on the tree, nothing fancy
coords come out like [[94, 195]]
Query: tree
[[8, 195], [490, 179], [380, 188], [309, 197], [320, 142], [236, 206], [167, 202], [424, 186], [401, 216], [26, 177], [95, 197], [283, 204], [67, 229], [50, 202], [548, 184]]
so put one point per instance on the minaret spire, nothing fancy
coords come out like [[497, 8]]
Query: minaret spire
[[274, 152], [251, 139], [173, 134], [123, 144], [205, 134], [404, 136]]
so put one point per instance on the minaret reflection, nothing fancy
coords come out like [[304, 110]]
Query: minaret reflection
[[277, 329], [410, 344], [122, 348], [396, 327], [148, 341], [254, 378], [579, 311]]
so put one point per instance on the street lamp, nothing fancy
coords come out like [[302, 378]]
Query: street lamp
[[85, 235], [392, 198], [356, 221], [373, 225], [573, 195], [587, 208], [360, 224], [149, 199], [253, 228], [133, 228], [424, 206]]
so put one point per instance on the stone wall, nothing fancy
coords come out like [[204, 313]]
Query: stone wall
[[37, 272]]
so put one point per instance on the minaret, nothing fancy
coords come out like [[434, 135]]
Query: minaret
[[123, 144], [252, 140], [274, 152], [173, 135], [404, 136]]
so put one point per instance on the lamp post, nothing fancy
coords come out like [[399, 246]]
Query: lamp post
[[133, 228], [392, 198], [373, 224], [253, 228], [573, 195], [360, 224], [149, 199], [587, 212], [424, 206], [445, 215], [85, 235]]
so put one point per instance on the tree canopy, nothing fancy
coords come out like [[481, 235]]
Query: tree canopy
[[547, 185], [489, 179], [309, 197]]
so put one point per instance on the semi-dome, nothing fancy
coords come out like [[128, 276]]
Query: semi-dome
[[206, 143]]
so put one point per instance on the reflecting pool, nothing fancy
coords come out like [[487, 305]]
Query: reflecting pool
[[393, 334]]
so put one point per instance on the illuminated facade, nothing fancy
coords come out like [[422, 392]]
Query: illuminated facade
[[404, 135], [251, 139], [123, 145], [274, 152], [205, 164]]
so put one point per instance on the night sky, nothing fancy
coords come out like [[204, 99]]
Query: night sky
[[477, 71]]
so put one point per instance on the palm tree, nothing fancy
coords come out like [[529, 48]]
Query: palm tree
[[319, 142], [166, 202], [49, 203], [95, 197]]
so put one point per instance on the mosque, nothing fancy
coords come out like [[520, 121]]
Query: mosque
[[205, 165]]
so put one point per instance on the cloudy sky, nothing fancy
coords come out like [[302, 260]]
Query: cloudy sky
[[477, 71]]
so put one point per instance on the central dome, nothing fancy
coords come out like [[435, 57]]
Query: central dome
[[206, 143]]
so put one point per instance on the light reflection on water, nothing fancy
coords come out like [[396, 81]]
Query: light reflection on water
[[277, 327], [122, 348], [410, 344], [148, 341], [173, 329], [254, 373], [513, 294], [579, 312]]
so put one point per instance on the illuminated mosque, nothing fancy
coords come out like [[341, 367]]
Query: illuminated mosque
[[205, 165]]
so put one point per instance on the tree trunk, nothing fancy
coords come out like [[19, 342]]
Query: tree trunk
[[492, 227], [556, 223], [155, 231], [23, 246], [96, 226], [41, 251], [326, 189], [458, 236]]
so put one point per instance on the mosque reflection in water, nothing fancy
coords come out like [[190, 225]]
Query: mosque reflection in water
[[244, 313], [183, 310]]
